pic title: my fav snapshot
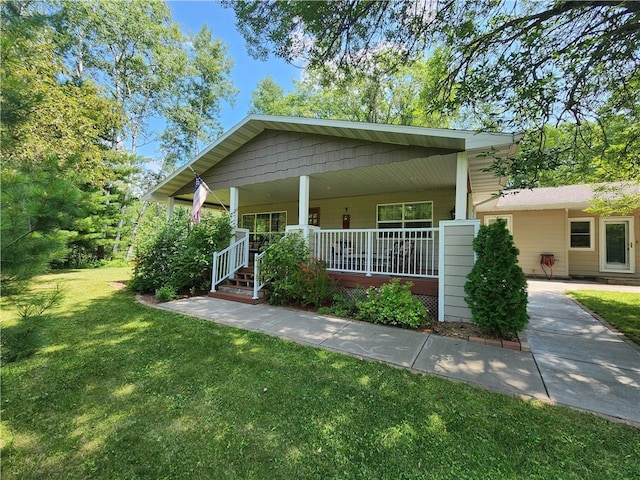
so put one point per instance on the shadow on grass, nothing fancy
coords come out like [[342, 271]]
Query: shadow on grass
[[621, 310], [120, 390]]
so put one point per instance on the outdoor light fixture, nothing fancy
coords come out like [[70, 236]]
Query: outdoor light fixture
[[346, 218], [452, 212]]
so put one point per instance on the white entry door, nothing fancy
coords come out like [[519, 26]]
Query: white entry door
[[617, 245]]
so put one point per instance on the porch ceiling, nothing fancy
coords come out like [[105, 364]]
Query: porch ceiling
[[414, 175]]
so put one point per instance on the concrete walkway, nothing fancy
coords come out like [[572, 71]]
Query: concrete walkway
[[583, 363], [574, 360]]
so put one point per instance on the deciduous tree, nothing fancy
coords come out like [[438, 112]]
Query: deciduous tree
[[512, 65]]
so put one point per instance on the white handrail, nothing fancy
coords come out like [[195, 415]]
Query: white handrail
[[257, 282], [228, 261]]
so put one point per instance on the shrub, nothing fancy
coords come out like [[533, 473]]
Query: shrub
[[180, 256], [316, 287], [292, 278], [392, 304], [155, 259], [166, 293], [496, 288], [194, 259], [345, 303]]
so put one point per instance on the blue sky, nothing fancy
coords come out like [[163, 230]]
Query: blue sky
[[246, 73]]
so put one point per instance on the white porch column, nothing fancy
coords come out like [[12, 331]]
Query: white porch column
[[303, 201], [462, 167], [170, 204], [234, 203]]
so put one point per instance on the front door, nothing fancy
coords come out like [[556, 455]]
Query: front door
[[617, 242]]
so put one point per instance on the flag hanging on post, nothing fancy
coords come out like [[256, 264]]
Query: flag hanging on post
[[199, 197]]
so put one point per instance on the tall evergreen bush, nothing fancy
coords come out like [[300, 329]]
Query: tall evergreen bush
[[496, 288]]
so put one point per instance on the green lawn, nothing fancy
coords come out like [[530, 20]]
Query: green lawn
[[620, 309], [118, 390]]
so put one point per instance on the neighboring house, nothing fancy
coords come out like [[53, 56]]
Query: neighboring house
[[375, 200], [553, 221]]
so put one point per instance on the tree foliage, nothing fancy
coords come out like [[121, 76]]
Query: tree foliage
[[80, 84], [377, 94], [511, 65], [196, 98], [551, 59], [39, 208], [53, 154]]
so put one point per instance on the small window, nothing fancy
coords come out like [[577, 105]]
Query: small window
[[489, 219], [581, 234]]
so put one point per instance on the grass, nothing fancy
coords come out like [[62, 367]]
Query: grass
[[118, 390], [620, 309]]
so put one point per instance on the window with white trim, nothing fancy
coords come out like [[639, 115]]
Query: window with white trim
[[264, 226], [489, 219], [581, 234], [405, 215]]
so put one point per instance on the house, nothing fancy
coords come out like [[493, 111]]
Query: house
[[376, 201], [558, 238]]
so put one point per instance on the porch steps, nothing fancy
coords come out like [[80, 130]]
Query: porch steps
[[239, 288]]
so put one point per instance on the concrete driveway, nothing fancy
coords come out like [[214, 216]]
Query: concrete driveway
[[582, 362]]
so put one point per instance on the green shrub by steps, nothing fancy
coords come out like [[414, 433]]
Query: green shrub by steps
[[496, 288], [180, 255], [292, 277]]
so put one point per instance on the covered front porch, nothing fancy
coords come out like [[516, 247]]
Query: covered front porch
[[372, 200]]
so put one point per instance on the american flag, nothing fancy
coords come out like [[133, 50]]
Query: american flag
[[199, 197]]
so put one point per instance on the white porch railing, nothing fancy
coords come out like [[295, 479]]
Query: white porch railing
[[231, 259], [411, 252], [258, 283]]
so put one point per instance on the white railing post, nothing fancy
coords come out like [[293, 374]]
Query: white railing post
[[246, 251], [257, 259], [214, 272], [369, 253]]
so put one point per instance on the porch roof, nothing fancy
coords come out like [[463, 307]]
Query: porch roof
[[577, 197], [443, 140]]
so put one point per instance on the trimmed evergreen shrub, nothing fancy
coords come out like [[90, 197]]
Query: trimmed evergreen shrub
[[496, 288]]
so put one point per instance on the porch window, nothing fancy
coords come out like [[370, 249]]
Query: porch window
[[263, 227], [405, 215], [581, 234]]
